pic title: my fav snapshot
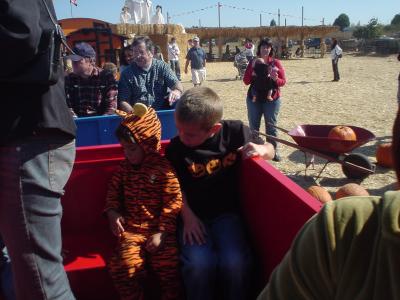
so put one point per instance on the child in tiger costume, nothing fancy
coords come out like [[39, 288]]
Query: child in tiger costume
[[143, 201]]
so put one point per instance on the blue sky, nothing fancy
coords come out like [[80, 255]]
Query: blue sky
[[232, 13]]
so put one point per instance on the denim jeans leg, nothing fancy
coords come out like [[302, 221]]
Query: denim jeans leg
[[335, 68], [33, 174], [271, 111], [6, 280], [178, 70], [234, 256], [199, 268], [254, 113]]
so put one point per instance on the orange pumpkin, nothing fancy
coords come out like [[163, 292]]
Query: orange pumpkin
[[342, 133], [351, 189], [384, 156], [319, 193]]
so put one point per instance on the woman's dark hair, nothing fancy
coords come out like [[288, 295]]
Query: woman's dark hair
[[159, 6], [334, 43], [265, 42], [122, 58]]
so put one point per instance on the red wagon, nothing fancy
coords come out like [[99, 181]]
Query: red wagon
[[314, 139], [273, 217]]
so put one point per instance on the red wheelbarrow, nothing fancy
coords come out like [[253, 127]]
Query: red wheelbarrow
[[314, 139]]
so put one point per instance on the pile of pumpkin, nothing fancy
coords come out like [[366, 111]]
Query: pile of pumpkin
[[383, 158], [350, 189]]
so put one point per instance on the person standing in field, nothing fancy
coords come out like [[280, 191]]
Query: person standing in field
[[173, 57], [336, 54], [267, 108], [197, 58]]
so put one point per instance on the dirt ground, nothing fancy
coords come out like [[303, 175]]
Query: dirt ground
[[364, 97]]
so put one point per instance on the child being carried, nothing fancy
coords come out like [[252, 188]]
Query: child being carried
[[263, 84]]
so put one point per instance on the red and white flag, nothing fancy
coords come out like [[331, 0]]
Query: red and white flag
[[74, 2]]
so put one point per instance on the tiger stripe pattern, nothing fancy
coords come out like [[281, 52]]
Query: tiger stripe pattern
[[149, 198]]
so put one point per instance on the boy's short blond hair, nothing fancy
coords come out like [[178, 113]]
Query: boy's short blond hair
[[199, 105]]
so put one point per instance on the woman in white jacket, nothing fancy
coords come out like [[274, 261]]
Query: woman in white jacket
[[336, 53]]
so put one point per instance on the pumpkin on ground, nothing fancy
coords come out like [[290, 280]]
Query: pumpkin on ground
[[319, 193], [351, 189], [341, 132], [384, 155]]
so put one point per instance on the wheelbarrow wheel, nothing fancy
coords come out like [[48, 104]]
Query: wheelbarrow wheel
[[359, 160]]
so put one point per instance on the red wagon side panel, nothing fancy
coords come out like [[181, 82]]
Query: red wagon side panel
[[275, 209]]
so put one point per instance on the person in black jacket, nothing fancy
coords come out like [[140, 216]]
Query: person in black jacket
[[37, 151]]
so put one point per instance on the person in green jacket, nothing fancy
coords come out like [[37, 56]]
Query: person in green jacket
[[349, 250]]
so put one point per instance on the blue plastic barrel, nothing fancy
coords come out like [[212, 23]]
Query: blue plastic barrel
[[100, 130]]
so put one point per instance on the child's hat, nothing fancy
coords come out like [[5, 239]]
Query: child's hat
[[144, 125]]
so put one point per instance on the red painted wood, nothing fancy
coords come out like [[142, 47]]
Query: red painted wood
[[274, 206]]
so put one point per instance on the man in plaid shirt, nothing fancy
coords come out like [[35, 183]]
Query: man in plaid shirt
[[90, 90], [147, 80]]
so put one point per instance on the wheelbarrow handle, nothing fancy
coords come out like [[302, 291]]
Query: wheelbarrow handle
[[323, 155], [285, 142], [356, 167], [277, 127]]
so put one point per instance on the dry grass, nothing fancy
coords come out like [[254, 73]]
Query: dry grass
[[365, 97]]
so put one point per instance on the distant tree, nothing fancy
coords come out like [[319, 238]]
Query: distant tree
[[396, 20], [372, 30], [342, 21], [358, 33], [272, 23]]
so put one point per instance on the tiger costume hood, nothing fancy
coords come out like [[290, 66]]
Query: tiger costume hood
[[144, 126]]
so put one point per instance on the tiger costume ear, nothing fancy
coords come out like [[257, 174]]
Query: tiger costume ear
[[121, 113], [139, 110]]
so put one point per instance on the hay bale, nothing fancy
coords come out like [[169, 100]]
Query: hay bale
[[275, 31], [148, 29]]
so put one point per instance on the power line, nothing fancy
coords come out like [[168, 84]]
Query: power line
[[266, 12], [220, 5], [194, 11]]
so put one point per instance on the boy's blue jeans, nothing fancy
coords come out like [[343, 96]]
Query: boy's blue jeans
[[224, 260], [6, 281], [270, 110], [33, 173]]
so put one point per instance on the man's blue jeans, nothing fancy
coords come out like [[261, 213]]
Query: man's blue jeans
[[224, 260], [6, 281], [33, 173], [270, 110]]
